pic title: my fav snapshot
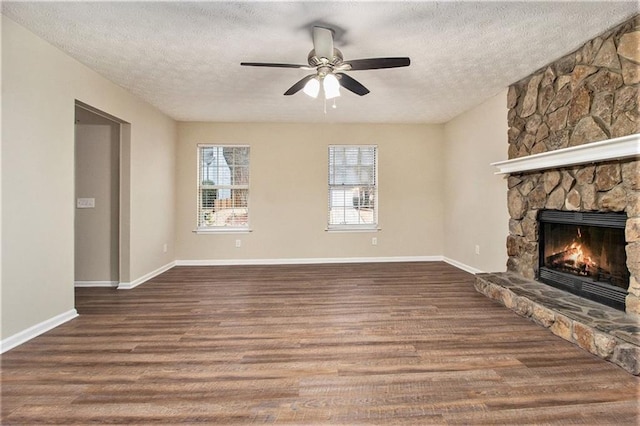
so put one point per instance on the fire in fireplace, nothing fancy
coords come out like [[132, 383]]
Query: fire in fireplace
[[584, 253]]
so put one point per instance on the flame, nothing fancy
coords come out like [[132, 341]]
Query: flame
[[574, 258], [577, 255]]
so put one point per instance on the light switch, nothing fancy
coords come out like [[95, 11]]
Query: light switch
[[86, 203]]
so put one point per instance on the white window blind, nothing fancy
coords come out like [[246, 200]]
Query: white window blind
[[353, 187], [223, 187]]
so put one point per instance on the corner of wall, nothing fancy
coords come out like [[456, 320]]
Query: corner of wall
[[475, 199]]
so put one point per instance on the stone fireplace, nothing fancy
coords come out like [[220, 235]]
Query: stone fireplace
[[609, 187], [574, 152]]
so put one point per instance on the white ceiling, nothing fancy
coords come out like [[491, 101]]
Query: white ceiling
[[184, 58]]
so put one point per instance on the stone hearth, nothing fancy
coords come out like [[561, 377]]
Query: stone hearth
[[605, 332]]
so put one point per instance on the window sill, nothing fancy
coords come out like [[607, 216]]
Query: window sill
[[222, 231], [346, 229]]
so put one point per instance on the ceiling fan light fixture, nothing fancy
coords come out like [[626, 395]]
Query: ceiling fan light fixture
[[312, 88], [331, 86]]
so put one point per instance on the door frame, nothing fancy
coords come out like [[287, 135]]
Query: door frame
[[124, 189]]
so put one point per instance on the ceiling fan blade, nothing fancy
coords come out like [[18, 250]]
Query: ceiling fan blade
[[351, 84], [274, 65], [323, 42], [377, 63], [299, 85]]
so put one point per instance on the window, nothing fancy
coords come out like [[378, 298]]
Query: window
[[223, 187], [353, 187]]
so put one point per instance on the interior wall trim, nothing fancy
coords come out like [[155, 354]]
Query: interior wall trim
[[464, 267], [146, 277], [95, 283], [306, 260], [36, 330]]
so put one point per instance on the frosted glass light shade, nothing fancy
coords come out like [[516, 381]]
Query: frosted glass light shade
[[312, 88], [331, 86]]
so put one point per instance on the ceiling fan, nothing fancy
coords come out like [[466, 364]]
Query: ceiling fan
[[330, 66]]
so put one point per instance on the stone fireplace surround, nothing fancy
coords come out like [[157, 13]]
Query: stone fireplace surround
[[606, 332], [586, 99], [557, 181]]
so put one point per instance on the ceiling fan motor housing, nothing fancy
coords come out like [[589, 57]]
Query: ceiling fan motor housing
[[316, 61]]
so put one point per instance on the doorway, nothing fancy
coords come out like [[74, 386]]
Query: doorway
[[97, 198]]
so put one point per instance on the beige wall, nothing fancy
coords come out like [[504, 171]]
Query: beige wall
[[39, 87], [288, 192], [475, 198], [425, 170], [1, 205], [96, 229]]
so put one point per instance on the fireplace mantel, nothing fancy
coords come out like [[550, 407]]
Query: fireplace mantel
[[610, 149]]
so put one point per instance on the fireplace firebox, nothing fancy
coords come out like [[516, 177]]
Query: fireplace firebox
[[584, 253]]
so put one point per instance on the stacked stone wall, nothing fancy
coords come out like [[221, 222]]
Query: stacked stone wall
[[589, 95], [586, 96]]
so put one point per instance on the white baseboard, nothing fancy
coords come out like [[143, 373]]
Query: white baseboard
[[303, 261], [460, 265], [36, 330], [146, 277], [306, 260], [95, 283]]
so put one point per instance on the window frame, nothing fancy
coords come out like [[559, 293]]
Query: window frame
[[214, 229], [353, 227]]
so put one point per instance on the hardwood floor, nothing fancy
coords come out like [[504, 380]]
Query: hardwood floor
[[387, 343]]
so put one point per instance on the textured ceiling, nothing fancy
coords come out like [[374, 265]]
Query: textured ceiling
[[184, 57]]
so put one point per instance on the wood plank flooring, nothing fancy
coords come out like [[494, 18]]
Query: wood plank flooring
[[386, 343]]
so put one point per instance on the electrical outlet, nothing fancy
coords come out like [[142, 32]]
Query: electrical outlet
[[164, 247], [477, 249], [374, 241], [238, 243]]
